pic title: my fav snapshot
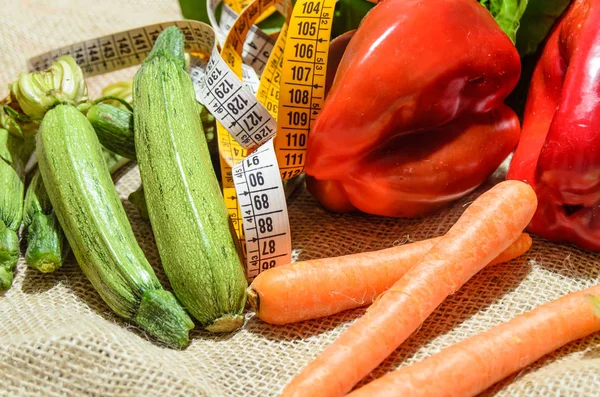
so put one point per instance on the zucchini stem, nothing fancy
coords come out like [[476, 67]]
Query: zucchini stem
[[113, 98]]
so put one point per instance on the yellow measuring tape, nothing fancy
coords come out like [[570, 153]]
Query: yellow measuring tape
[[289, 97], [292, 87], [231, 152], [303, 82], [239, 5]]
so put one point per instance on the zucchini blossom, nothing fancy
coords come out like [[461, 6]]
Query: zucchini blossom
[[37, 92]]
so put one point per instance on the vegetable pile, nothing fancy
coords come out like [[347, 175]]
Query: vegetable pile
[[410, 124], [72, 194]]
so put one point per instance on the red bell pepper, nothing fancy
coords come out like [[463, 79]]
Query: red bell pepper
[[415, 117], [559, 152]]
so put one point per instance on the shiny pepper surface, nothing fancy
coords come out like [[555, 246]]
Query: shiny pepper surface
[[559, 152], [415, 117]]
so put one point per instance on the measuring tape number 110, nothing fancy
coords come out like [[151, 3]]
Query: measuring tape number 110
[[292, 90], [291, 85]]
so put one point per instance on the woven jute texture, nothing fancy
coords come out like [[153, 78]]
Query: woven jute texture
[[59, 338]]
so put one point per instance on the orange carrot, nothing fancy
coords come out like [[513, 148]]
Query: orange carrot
[[516, 249], [465, 369], [322, 287], [486, 228]]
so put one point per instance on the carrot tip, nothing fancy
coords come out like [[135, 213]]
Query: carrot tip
[[253, 299]]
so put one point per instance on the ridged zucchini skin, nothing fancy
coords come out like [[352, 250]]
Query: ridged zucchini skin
[[114, 127], [90, 212], [186, 208], [14, 153], [46, 244]]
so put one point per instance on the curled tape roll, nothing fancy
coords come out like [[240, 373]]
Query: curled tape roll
[[257, 46], [245, 201], [249, 112]]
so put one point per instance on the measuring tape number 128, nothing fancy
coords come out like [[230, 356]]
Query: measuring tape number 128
[[292, 89], [291, 86]]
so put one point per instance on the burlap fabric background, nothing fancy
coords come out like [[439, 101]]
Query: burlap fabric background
[[59, 338]]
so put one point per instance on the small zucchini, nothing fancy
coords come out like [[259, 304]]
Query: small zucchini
[[14, 153], [46, 245], [186, 208], [90, 212], [114, 127]]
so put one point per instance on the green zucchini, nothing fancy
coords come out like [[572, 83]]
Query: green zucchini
[[90, 212], [14, 153], [46, 245], [114, 127], [186, 208]]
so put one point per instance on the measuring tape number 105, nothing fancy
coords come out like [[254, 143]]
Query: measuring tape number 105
[[292, 90], [271, 116]]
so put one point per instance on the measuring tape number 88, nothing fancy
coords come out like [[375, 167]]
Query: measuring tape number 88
[[291, 85]]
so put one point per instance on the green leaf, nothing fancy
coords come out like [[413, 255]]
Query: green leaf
[[526, 22], [507, 13], [194, 9], [538, 19], [272, 23], [348, 15]]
